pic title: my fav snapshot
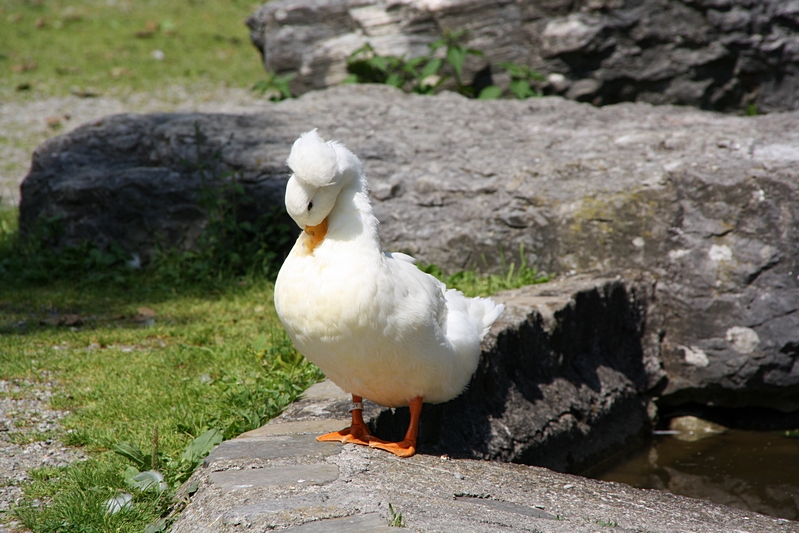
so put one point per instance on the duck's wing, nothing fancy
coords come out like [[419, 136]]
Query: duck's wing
[[419, 298], [443, 328], [399, 256], [464, 321]]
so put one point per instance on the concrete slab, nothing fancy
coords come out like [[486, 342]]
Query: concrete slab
[[270, 447], [366, 523], [300, 475], [313, 427], [299, 509], [506, 507], [349, 488], [253, 482], [277, 505], [436, 494]]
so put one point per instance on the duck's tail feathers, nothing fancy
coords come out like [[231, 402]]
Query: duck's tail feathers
[[481, 312], [485, 311]]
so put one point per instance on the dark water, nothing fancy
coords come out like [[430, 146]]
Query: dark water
[[750, 470]]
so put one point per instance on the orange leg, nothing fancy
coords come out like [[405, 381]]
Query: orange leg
[[407, 447], [357, 433]]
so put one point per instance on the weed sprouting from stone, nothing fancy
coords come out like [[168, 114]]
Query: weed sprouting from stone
[[275, 87], [395, 518]]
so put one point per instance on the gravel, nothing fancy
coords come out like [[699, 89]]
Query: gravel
[[28, 426], [26, 122]]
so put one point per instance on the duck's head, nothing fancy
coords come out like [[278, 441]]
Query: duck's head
[[319, 173]]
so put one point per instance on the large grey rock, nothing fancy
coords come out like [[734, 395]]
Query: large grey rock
[[139, 180], [715, 54], [705, 203]]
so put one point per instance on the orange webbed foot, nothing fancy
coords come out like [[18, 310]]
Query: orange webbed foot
[[405, 448], [357, 433], [347, 435]]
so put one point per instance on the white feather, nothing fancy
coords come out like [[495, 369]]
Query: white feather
[[312, 160], [373, 322]]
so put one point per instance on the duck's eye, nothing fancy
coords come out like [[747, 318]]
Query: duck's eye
[[310, 206]]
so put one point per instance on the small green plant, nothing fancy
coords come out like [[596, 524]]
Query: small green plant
[[395, 518], [456, 55], [418, 75], [275, 87], [426, 74], [145, 474], [422, 75], [492, 92], [522, 80]]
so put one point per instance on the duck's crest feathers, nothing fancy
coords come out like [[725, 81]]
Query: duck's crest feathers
[[313, 161]]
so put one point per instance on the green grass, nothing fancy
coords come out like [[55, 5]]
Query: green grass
[[142, 359], [395, 518], [473, 283], [53, 47]]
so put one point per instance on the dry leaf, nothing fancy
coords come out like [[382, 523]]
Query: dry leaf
[[63, 320], [149, 30], [24, 67], [72, 320]]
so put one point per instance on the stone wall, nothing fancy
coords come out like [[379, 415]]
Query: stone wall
[[714, 54]]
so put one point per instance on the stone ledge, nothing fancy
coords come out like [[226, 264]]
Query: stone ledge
[[280, 477], [349, 487]]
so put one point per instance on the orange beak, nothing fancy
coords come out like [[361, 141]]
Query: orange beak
[[316, 233]]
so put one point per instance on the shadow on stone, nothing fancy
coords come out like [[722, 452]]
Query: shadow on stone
[[567, 392]]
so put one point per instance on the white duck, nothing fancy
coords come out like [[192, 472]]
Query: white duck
[[376, 325]]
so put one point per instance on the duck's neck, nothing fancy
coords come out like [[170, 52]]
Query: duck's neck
[[352, 218]]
